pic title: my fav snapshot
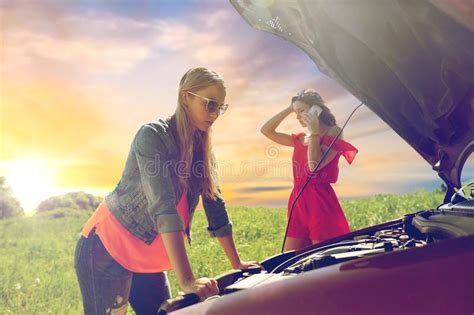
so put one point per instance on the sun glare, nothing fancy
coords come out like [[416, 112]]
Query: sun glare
[[31, 181]]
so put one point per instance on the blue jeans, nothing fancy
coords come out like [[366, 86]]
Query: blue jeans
[[107, 287]]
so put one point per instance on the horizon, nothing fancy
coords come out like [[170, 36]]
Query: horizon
[[32, 211]]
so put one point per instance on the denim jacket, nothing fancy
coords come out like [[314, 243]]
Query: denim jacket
[[144, 201]]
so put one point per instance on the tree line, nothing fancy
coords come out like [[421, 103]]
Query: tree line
[[10, 207]]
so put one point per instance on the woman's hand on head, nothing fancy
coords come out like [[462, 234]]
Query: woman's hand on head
[[203, 287], [311, 121]]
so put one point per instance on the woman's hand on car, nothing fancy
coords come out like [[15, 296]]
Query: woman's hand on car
[[203, 287], [247, 265]]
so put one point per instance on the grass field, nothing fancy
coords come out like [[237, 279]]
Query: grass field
[[36, 253]]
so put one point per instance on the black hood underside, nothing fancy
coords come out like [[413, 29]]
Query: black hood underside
[[410, 62]]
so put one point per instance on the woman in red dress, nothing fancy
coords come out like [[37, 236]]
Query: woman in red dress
[[317, 214]]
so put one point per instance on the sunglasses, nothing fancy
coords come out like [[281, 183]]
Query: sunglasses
[[211, 105]]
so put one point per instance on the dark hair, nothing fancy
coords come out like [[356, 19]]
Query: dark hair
[[311, 97]]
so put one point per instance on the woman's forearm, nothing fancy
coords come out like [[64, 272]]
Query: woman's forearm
[[314, 152], [228, 245], [174, 244], [275, 121]]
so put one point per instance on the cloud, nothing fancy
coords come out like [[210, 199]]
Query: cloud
[[101, 42], [202, 46], [24, 48], [58, 36], [371, 131], [247, 58]]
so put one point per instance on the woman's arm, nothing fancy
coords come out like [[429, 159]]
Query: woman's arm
[[315, 149], [315, 152], [268, 129], [228, 245], [174, 244], [221, 227]]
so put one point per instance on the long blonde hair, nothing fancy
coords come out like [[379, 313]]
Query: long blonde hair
[[193, 80]]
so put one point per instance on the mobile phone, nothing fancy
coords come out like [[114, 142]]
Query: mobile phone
[[315, 110]]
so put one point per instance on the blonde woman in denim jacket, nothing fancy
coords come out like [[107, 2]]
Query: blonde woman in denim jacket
[[138, 232]]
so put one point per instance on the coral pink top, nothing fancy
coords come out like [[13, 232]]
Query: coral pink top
[[129, 251]]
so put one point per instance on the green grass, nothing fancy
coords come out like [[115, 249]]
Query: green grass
[[36, 253]]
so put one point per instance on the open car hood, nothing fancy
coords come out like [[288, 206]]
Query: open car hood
[[410, 62]]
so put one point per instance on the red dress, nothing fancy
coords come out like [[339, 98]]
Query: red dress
[[317, 214]]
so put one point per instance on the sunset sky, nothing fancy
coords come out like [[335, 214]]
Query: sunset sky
[[78, 78]]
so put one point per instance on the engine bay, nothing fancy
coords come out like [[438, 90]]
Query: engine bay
[[412, 231], [381, 241]]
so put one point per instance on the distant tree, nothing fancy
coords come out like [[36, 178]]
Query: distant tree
[[9, 206], [76, 200]]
